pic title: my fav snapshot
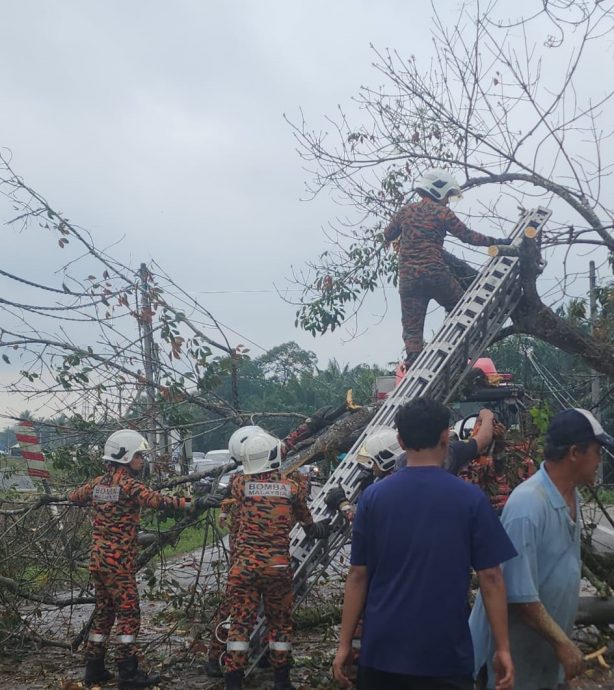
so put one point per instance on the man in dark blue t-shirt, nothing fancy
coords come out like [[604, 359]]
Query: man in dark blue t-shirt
[[415, 538]]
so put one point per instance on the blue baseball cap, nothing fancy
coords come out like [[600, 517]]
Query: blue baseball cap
[[575, 425]]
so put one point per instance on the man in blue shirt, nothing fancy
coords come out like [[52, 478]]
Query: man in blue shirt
[[415, 538], [542, 518]]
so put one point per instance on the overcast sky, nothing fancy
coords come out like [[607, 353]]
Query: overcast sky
[[162, 122]]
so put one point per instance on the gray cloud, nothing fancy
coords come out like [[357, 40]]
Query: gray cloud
[[163, 122]]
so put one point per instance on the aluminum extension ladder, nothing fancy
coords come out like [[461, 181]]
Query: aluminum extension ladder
[[437, 372]]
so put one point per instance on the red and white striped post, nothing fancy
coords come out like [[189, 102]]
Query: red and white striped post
[[30, 449]]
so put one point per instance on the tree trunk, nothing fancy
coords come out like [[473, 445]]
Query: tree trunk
[[595, 611], [533, 317], [541, 322], [332, 438]]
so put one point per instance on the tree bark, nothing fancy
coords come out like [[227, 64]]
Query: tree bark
[[533, 317], [331, 438], [595, 611]]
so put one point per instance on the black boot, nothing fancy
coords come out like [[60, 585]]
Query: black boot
[[95, 672], [264, 661], [234, 680], [213, 668], [282, 679], [130, 676]]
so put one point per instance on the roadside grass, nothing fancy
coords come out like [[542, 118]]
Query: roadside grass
[[192, 538], [606, 494]]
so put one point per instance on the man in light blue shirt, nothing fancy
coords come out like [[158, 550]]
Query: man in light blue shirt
[[542, 518]]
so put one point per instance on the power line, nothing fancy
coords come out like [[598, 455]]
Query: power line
[[560, 398]]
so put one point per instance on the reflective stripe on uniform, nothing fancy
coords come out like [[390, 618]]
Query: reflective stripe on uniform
[[355, 644], [96, 637], [126, 639], [221, 630], [237, 646], [280, 646]]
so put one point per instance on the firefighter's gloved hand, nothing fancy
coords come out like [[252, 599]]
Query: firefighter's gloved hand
[[318, 530], [324, 417], [145, 538], [223, 492], [505, 241], [334, 498], [205, 503], [365, 479]]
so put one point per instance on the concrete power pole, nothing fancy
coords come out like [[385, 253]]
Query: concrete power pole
[[595, 380], [149, 357]]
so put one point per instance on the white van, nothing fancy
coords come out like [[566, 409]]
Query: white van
[[212, 460]]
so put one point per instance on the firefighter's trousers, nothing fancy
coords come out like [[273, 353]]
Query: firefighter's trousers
[[446, 285], [246, 586], [217, 646], [117, 600]]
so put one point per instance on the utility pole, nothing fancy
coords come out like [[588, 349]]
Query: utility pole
[[149, 354], [596, 379]]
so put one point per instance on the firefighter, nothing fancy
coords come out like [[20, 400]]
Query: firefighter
[[227, 518], [116, 499], [268, 505], [426, 271], [379, 453], [500, 468]]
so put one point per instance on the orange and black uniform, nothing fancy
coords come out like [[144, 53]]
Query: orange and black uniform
[[268, 506], [426, 271], [116, 499], [500, 473]]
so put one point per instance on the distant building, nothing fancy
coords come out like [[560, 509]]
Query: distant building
[[15, 480]]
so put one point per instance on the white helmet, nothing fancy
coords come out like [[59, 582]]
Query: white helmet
[[261, 452], [380, 448], [238, 438], [438, 184], [122, 445]]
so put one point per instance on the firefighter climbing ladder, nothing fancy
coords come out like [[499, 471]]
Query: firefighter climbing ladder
[[437, 372]]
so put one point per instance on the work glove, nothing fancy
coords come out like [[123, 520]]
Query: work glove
[[365, 479], [335, 497], [145, 538], [205, 503], [324, 417], [318, 530]]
